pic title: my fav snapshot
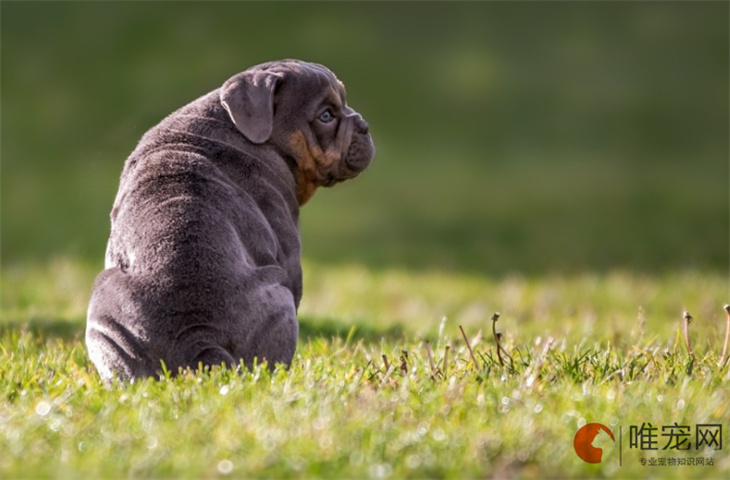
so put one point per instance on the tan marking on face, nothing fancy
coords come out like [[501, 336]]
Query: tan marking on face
[[313, 165]]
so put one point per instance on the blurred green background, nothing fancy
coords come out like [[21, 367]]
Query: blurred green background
[[530, 137]]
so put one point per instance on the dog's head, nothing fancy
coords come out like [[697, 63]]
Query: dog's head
[[299, 108]]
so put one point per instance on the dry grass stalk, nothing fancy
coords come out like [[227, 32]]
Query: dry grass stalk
[[446, 360], [498, 341], [727, 335], [468, 345], [404, 363], [687, 320], [430, 357]]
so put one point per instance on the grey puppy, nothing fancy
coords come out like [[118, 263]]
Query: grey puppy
[[203, 261]]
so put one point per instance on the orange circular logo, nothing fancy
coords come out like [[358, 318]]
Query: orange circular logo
[[583, 442]]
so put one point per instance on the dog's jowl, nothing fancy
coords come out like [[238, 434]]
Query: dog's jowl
[[203, 260]]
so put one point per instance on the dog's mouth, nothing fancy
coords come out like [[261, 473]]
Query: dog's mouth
[[330, 180], [359, 154], [357, 164], [346, 173]]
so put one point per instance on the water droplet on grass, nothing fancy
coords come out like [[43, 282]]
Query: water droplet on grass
[[325, 442], [225, 466], [439, 435], [381, 470], [42, 408]]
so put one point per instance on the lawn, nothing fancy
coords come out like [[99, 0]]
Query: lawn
[[362, 399], [562, 163]]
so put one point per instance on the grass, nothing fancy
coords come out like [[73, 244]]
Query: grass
[[362, 399]]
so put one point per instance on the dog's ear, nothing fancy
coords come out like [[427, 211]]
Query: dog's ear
[[249, 100]]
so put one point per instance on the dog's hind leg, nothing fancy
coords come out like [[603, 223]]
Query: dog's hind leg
[[114, 348], [213, 356], [274, 337]]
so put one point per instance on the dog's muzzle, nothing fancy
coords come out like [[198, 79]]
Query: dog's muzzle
[[361, 150]]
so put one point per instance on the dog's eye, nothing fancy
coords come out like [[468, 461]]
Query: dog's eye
[[327, 116]]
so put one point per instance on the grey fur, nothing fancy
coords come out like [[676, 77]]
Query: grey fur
[[203, 259]]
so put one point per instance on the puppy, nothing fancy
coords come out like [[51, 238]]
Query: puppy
[[202, 265]]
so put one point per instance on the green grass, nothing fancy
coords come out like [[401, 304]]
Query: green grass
[[586, 348]]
